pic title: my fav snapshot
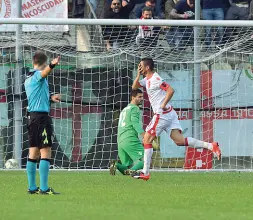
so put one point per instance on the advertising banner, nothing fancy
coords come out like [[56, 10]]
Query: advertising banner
[[34, 9]]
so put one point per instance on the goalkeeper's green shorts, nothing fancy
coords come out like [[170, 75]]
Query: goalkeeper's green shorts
[[130, 151]]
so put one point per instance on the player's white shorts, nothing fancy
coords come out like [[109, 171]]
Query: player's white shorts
[[163, 122]]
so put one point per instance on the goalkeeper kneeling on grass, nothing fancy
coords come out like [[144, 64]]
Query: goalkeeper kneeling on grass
[[130, 148]]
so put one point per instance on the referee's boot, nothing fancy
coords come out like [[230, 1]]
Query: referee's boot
[[35, 191], [50, 191], [140, 175]]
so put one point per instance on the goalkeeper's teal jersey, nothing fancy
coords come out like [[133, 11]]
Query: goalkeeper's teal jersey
[[130, 125]]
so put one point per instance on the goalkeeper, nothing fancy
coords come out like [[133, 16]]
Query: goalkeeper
[[130, 148]]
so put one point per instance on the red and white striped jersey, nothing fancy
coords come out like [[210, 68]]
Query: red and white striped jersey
[[156, 89]]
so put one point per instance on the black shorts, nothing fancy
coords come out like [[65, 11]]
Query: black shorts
[[39, 129]]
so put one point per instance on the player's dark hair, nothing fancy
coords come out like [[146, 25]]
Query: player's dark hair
[[39, 58], [146, 9], [148, 62], [135, 92]]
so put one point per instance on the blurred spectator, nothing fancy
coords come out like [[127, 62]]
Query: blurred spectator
[[94, 4], [169, 5], [78, 8], [170, 33], [226, 6], [114, 35], [181, 36], [251, 11], [190, 3], [213, 10], [137, 11], [183, 10], [125, 2], [159, 9], [147, 35], [239, 10]]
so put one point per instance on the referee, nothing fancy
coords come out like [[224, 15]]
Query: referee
[[39, 122]]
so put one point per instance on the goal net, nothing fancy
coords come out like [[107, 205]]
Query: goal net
[[210, 70]]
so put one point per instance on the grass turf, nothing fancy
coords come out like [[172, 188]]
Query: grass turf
[[97, 195]]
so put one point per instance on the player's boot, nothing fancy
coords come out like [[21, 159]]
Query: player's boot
[[113, 167], [36, 191], [216, 150], [50, 191], [140, 175]]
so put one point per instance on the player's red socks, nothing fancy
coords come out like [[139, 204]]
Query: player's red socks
[[147, 146]]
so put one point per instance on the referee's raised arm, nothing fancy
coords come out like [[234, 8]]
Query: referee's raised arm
[[48, 68]]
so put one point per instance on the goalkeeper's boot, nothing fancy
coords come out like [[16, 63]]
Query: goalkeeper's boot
[[50, 191], [113, 167], [36, 191], [140, 175], [216, 150], [129, 172]]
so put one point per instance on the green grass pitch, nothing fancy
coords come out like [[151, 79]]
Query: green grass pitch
[[97, 195]]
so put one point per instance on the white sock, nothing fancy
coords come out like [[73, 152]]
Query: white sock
[[147, 160], [192, 142]]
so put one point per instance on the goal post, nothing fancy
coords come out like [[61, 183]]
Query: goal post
[[95, 84], [18, 90]]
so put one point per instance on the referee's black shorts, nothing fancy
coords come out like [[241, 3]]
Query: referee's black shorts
[[39, 129]]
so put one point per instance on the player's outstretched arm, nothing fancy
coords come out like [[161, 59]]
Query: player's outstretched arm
[[136, 84], [48, 69], [169, 93]]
